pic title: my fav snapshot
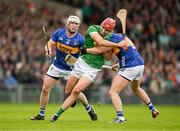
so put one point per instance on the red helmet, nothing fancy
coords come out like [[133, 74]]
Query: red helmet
[[109, 24]]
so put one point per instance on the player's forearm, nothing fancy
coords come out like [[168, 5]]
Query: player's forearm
[[107, 43], [93, 51], [49, 47], [51, 43], [101, 41], [98, 50]]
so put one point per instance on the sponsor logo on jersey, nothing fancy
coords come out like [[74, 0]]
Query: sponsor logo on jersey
[[67, 49], [68, 41]]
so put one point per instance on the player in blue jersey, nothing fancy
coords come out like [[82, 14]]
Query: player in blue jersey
[[130, 71], [67, 41]]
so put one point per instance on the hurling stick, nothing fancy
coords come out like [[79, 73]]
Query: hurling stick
[[122, 16], [46, 39], [106, 67]]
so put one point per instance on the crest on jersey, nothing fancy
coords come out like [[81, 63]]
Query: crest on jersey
[[75, 44], [68, 40]]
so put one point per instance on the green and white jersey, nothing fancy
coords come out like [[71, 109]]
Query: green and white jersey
[[95, 61]]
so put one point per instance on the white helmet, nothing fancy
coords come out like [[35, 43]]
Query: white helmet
[[73, 18]]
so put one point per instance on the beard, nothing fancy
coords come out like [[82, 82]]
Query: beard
[[102, 35], [71, 32]]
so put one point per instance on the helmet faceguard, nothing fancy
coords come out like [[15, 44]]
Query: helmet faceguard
[[73, 18]]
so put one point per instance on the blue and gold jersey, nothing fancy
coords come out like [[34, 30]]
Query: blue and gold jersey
[[66, 45], [127, 58]]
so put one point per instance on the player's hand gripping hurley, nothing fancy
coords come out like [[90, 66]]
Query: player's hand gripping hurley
[[70, 60]]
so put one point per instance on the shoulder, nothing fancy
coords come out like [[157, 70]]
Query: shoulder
[[116, 37], [93, 28], [80, 36], [59, 30]]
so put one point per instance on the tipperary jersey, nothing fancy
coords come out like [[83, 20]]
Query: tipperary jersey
[[127, 58], [66, 45]]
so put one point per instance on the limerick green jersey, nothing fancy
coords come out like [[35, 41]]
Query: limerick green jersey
[[95, 61]]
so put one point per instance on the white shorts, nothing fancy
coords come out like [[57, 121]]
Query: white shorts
[[132, 73], [81, 68], [56, 72]]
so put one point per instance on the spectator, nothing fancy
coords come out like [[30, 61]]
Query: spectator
[[9, 80], [158, 35]]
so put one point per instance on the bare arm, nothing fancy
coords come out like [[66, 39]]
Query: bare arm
[[102, 49], [49, 47], [98, 50], [102, 42]]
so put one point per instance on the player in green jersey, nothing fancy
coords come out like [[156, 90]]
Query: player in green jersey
[[87, 66]]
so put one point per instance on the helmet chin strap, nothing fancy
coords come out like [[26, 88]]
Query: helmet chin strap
[[71, 32], [102, 35]]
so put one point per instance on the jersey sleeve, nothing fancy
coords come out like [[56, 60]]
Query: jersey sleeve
[[92, 29], [55, 35], [116, 38]]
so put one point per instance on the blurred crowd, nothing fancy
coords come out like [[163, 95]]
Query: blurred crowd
[[21, 42], [152, 25]]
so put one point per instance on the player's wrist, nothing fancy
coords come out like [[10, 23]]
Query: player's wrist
[[124, 36], [83, 51]]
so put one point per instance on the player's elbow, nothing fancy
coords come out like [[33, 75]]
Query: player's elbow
[[100, 43], [51, 43]]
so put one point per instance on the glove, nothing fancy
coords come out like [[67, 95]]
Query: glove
[[83, 50], [70, 60]]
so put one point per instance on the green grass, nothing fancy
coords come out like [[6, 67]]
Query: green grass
[[16, 117]]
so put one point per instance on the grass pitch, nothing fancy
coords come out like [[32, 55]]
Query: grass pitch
[[16, 117]]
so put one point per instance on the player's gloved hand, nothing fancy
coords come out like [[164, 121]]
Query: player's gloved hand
[[83, 51], [70, 59], [48, 51]]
